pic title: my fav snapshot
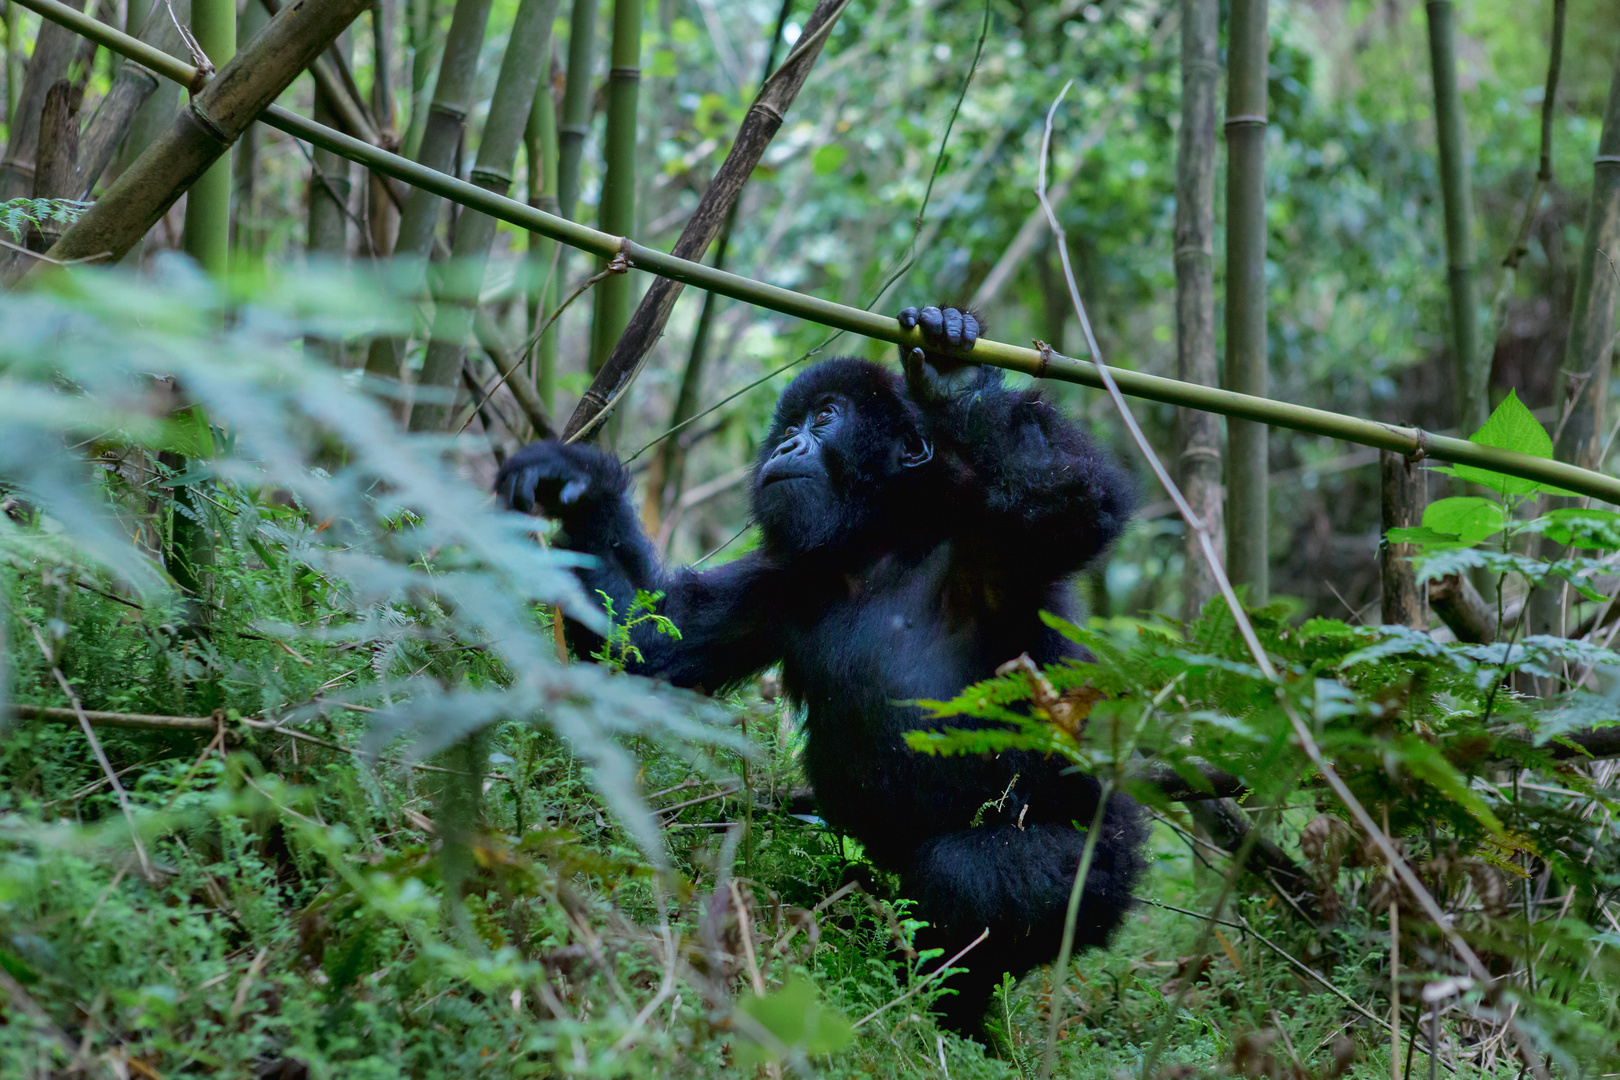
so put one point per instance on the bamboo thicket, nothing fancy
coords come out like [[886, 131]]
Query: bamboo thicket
[[442, 133], [1198, 434], [1049, 365], [203, 131], [1247, 467]]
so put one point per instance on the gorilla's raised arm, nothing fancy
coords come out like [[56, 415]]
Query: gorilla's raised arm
[[1021, 477], [725, 635]]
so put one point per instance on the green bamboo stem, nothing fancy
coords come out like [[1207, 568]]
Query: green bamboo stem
[[446, 125], [14, 60], [1048, 365], [200, 133], [329, 188], [425, 42], [456, 292], [53, 51], [207, 236], [1469, 373], [1198, 434], [576, 104], [540, 149], [382, 216], [759, 125], [1247, 467], [617, 212]]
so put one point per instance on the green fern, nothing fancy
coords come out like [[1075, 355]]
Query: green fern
[[17, 214]]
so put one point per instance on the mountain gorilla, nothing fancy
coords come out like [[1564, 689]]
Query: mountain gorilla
[[912, 532]]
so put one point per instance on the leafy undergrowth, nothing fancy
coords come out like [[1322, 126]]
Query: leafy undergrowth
[[399, 837]]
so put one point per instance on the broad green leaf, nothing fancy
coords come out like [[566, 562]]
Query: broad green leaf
[[1468, 518], [1429, 539], [797, 1020], [1511, 427]]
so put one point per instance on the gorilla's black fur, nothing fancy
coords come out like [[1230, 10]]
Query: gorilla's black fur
[[912, 533]]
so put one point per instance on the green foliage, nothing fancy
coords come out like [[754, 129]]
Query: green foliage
[[617, 648], [17, 214]]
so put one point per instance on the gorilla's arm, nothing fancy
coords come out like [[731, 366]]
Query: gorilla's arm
[[1023, 479], [721, 614]]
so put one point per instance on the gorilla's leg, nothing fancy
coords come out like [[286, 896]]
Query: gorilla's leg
[[1016, 882]]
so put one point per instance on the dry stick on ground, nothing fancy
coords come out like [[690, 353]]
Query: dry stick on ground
[[101, 756], [1303, 736], [760, 124], [206, 128]]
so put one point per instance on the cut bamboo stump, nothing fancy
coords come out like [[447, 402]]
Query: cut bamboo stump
[[1402, 487]]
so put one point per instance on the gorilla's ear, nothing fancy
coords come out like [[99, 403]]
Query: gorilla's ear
[[915, 451]]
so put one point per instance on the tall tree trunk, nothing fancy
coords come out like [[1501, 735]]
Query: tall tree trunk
[[617, 212], [457, 299], [445, 125], [53, 52], [242, 89], [540, 143], [1198, 434], [1403, 495], [759, 126], [1583, 378], [208, 203], [1468, 371], [1247, 468]]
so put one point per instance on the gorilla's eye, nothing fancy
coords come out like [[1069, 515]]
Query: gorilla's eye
[[825, 415]]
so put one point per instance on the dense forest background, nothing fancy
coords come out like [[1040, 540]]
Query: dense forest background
[[298, 780]]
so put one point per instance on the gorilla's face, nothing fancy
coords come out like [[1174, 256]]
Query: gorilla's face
[[843, 439]]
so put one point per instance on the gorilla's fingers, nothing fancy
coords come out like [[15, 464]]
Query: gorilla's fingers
[[574, 489], [970, 328], [932, 321], [520, 491], [953, 326], [908, 318]]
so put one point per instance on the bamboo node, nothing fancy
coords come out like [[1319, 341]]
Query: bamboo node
[[206, 122], [1605, 159], [1247, 120], [454, 112], [1045, 351], [1421, 450], [491, 178], [632, 73], [769, 110], [620, 263]]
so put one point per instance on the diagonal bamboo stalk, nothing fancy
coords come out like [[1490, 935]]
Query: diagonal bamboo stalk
[[1044, 364]]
